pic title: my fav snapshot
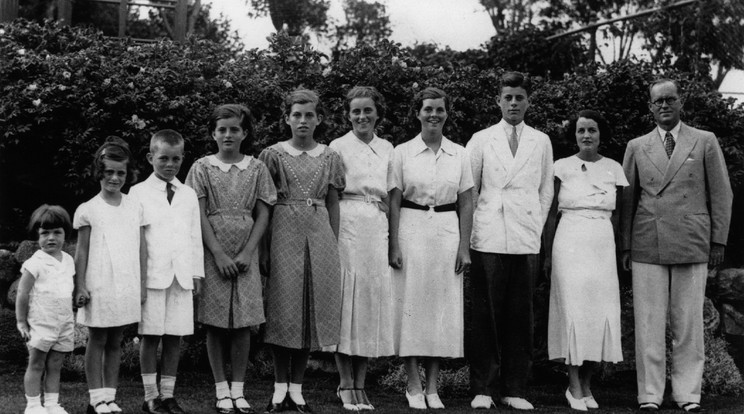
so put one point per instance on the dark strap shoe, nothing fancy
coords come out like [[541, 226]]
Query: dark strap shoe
[[154, 406], [172, 406]]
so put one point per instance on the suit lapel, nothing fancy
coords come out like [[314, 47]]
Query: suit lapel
[[654, 149], [500, 147], [683, 146]]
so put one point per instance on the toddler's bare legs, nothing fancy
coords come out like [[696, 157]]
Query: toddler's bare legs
[[53, 368], [34, 371]]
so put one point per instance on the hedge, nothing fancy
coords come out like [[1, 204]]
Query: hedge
[[64, 89]]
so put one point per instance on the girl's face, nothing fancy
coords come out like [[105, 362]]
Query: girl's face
[[303, 120], [363, 116], [229, 134], [114, 176], [432, 114], [51, 240], [587, 135]]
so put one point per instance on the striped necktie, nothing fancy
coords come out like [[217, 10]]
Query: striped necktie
[[514, 141], [669, 144]]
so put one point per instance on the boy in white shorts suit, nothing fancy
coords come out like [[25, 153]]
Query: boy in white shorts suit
[[175, 268]]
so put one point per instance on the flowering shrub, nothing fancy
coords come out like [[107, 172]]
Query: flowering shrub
[[64, 89]]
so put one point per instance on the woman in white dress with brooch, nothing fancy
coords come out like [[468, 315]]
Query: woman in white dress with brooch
[[431, 213], [366, 318], [584, 316]]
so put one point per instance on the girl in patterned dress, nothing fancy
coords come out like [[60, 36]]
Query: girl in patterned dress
[[235, 192], [109, 270], [303, 296]]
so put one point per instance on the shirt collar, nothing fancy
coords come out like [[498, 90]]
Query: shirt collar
[[377, 144], [156, 182], [507, 127], [315, 152], [47, 259], [242, 164], [674, 131], [418, 146]]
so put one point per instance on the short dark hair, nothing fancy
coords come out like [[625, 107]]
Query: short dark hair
[[428, 93], [605, 133], [367, 92], [114, 149], [516, 80], [659, 81], [303, 96], [49, 217], [165, 136], [227, 111]]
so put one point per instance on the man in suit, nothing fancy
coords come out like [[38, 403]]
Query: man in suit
[[675, 222], [513, 175]]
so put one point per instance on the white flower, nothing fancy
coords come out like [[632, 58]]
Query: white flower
[[2, 32], [138, 123], [415, 85], [36, 102], [565, 123], [394, 59], [62, 87], [326, 71], [33, 87], [135, 340], [21, 51], [130, 85], [227, 84], [403, 64], [107, 82], [66, 74]]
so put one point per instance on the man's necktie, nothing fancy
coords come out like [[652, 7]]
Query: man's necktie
[[514, 141], [169, 192], [669, 144]]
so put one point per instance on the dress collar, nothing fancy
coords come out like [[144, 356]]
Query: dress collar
[[315, 152], [377, 144], [418, 145], [242, 164]]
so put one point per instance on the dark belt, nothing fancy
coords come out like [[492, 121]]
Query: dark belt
[[438, 209]]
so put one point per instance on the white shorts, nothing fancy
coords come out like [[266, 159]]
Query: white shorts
[[52, 325], [168, 312]]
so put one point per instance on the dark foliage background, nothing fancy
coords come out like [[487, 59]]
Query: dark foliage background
[[64, 89]]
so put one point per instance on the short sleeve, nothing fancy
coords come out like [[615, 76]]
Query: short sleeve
[[270, 159], [197, 178], [265, 190], [559, 169], [81, 217], [466, 177], [620, 178], [32, 266], [337, 177], [395, 176]]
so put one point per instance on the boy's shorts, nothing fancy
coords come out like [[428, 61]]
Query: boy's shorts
[[52, 325], [168, 312]]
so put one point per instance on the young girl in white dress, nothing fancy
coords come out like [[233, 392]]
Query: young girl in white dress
[[110, 269], [44, 308]]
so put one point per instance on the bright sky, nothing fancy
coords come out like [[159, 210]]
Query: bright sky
[[459, 24]]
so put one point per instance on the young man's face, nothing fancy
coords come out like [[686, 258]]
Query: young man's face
[[513, 103], [166, 160]]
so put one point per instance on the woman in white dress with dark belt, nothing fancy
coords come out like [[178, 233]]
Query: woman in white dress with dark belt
[[584, 318], [366, 318], [430, 221]]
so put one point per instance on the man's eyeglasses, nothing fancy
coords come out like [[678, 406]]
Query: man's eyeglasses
[[669, 101]]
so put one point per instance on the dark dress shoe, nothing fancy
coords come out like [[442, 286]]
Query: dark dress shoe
[[172, 406], [274, 408], [293, 406], [154, 406], [241, 410]]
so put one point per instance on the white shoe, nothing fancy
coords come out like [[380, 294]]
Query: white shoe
[[590, 402], [482, 402], [56, 409], [517, 403], [416, 401], [35, 410], [433, 401], [575, 403]]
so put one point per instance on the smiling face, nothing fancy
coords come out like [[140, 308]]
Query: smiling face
[[432, 115], [166, 160], [51, 240], [303, 119], [229, 134], [587, 135], [666, 114], [513, 103], [363, 116], [114, 176]]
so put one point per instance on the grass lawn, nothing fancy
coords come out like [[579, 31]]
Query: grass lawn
[[195, 391]]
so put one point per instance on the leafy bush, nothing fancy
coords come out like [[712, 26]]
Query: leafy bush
[[65, 89]]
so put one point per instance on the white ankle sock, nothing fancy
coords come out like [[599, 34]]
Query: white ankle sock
[[222, 390], [109, 394], [51, 399], [280, 393], [167, 386], [295, 393], [150, 384], [97, 395], [236, 389], [33, 401]]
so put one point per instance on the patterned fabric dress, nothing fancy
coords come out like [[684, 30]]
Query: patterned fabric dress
[[303, 293], [231, 191]]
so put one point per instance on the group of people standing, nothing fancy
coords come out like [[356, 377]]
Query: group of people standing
[[365, 247]]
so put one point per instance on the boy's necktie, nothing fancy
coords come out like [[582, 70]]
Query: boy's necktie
[[514, 141], [669, 144], [169, 192]]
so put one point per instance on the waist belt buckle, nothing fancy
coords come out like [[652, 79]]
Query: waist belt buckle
[[367, 198], [309, 202]]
